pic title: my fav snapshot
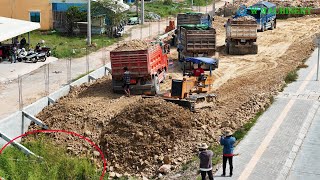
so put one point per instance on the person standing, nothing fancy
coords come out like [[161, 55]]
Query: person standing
[[23, 42], [227, 142], [13, 54], [205, 157], [126, 81]]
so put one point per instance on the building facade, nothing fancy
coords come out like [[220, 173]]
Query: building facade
[[30, 10]]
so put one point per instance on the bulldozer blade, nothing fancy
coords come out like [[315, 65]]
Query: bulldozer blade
[[180, 102]]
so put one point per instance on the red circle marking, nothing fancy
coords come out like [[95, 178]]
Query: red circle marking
[[68, 132]]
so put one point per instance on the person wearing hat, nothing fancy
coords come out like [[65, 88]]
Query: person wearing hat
[[205, 157], [227, 142], [126, 81]]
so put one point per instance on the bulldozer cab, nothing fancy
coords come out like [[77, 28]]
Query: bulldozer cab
[[194, 84], [208, 64]]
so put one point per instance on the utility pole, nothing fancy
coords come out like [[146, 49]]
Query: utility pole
[[142, 11], [89, 23], [213, 8], [191, 4]]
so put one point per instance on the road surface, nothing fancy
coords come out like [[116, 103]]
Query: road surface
[[285, 140]]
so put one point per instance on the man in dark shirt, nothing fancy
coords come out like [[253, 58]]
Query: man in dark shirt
[[227, 142], [126, 81], [205, 157], [23, 42]]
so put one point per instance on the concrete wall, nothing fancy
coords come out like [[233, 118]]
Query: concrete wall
[[15, 124], [20, 9]]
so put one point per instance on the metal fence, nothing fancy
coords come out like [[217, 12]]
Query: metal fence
[[39, 83]]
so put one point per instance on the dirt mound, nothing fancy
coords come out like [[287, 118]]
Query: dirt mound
[[244, 18], [132, 45], [141, 136]]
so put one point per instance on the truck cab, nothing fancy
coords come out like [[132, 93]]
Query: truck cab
[[265, 15]]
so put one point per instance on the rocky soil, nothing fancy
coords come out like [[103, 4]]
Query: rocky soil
[[132, 45]]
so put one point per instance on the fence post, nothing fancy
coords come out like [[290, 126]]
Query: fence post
[[159, 22], [46, 79], [141, 31], [87, 63], [149, 28], [68, 61], [20, 92], [21, 101]]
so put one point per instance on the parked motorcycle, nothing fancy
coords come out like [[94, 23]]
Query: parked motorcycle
[[27, 56], [42, 57], [43, 49]]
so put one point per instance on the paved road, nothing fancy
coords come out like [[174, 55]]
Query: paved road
[[284, 143]]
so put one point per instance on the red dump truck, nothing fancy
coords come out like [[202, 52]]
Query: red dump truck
[[147, 65]]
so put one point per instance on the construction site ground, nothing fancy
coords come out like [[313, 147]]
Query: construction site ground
[[139, 135]]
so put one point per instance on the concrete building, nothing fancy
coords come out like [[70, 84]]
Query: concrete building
[[39, 11]]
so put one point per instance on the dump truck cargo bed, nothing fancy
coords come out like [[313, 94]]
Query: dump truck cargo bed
[[242, 30], [198, 41], [241, 35], [147, 65]]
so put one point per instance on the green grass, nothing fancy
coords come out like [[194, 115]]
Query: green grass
[[14, 165], [240, 133], [62, 46], [165, 10], [291, 77], [200, 2], [82, 75]]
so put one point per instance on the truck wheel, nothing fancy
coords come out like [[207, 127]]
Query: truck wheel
[[227, 48], [262, 28], [275, 24], [272, 26], [254, 49]]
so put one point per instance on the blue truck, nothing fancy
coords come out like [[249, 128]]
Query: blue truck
[[264, 13]]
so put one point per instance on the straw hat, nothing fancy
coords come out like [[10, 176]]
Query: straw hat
[[203, 146], [228, 133]]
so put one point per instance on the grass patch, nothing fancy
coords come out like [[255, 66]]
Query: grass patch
[[239, 134], [165, 10], [291, 77], [82, 75], [57, 164], [62, 46], [199, 2]]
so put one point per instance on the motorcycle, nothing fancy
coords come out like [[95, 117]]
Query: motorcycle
[[43, 49], [27, 56]]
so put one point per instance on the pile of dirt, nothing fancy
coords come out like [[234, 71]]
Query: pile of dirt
[[298, 3], [145, 135], [133, 45], [245, 18]]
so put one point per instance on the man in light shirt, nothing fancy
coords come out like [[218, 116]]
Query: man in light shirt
[[205, 157]]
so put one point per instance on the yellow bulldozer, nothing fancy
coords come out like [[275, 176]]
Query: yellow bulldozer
[[193, 90]]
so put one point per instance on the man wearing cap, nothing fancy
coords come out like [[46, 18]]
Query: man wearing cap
[[227, 142], [205, 157]]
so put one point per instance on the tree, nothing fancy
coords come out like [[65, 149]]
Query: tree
[[111, 9], [74, 14]]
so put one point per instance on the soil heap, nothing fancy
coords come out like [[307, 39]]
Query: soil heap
[[133, 45], [144, 135]]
